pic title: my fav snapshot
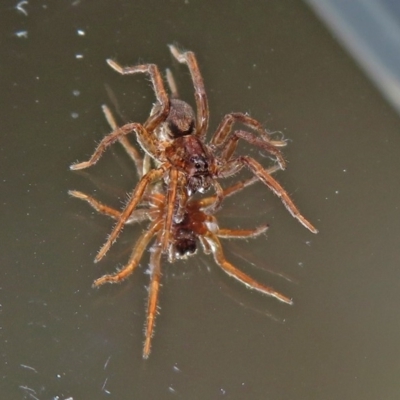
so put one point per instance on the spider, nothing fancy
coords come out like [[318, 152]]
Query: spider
[[195, 226], [175, 139]]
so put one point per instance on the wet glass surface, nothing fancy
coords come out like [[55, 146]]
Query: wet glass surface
[[61, 339]]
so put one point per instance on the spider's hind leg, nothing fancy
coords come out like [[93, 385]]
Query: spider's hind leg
[[154, 288], [232, 271]]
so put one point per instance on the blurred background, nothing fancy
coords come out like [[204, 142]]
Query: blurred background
[[323, 73]]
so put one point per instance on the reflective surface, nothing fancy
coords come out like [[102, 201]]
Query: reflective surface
[[214, 338]]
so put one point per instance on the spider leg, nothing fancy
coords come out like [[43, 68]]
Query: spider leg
[[136, 216], [152, 70], [188, 58], [131, 150], [170, 207], [172, 84], [233, 139], [239, 275], [99, 207], [133, 202], [205, 245], [241, 233], [218, 198], [143, 137], [154, 288], [257, 169], [235, 188], [134, 259], [224, 129]]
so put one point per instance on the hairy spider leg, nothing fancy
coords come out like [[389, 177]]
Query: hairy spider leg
[[131, 150], [137, 253], [154, 288], [170, 206], [218, 198], [158, 86], [223, 137], [138, 215], [172, 84], [188, 58], [235, 188], [97, 205], [137, 195], [232, 271], [235, 165], [242, 233], [143, 137]]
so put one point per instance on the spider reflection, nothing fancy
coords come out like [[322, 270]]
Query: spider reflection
[[195, 227]]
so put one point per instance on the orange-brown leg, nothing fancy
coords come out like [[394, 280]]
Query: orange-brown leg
[[154, 288], [235, 188], [257, 169], [131, 150], [137, 195], [136, 216], [222, 138], [188, 58], [241, 233], [152, 70], [239, 275], [219, 197], [231, 144], [170, 207], [142, 135], [172, 84], [136, 255], [98, 206], [225, 128]]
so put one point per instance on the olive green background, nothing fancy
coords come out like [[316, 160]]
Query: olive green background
[[214, 338]]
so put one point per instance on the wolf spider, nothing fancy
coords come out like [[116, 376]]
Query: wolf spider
[[195, 226], [175, 139]]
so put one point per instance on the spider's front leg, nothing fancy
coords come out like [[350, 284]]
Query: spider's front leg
[[224, 138], [131, 150], [154, 288], [235, 165], [144, 138], [161, 112], [188, 58]]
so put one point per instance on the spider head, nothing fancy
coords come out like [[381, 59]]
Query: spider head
[[180, 120]]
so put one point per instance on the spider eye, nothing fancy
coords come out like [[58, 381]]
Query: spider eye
[[199, 163]]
